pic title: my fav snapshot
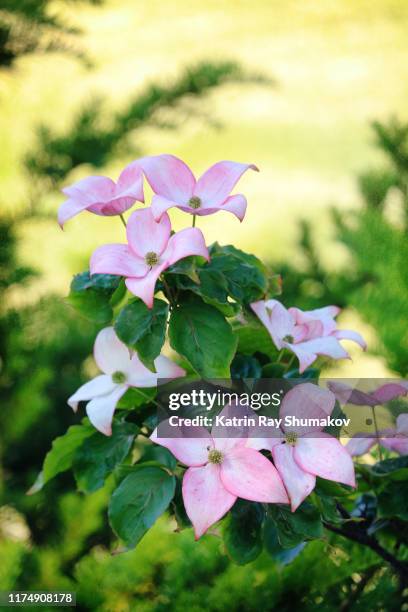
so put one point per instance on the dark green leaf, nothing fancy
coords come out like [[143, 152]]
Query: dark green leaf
[[60, 457], [159, 454], [245, 366], [201, 334], [294, 527], [138, 502], [143, 329], [98, 455], [392, 501], [91, 295], [244, 273], [242, 531], [274, 548]]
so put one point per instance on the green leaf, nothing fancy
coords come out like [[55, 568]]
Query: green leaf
[[245, 274], [274, 548], [394, 469], [242, 531], [186, 267], [135, 398], [60, 457], [253, 337], [201, 334], [138, 502], [98, 455], [392, 501], [159, 454], [295, 527], [143, 329], [91, 295], [245, 366]]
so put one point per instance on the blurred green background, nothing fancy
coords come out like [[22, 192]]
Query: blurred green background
[[87, 86]]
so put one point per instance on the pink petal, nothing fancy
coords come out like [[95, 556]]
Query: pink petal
[[235, 204], [189, 241], [169, 177], [307, 401], [324, 456], [308, 351], [348, 334], [248, 474], [117, 259], [140, 376], [299, 484], [100, 410], [397, 444], [145, 287], [190, 445], [277, 320], [110, 354], [145, 235], [100, 385], [389, 391], [69, 209], [402, 424], [228, 437], [360, 444], [325, 316], [215, 185], [347, 395], [205, 499], [160, 205], [167, 370], [130, 183], [91, 190]]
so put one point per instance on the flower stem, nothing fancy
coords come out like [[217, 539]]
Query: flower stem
[[169, 293], [377, 434], [280, 355], [194, 220], [122, 218], [289, 364]]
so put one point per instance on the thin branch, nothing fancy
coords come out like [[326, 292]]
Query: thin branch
[[356, 534]]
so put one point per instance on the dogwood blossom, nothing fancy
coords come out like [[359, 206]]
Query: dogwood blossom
[[306, 333], [121, 369], [102, 196], [395, 439], [220, 469], [150, 250], [174, 184], [304, 451]]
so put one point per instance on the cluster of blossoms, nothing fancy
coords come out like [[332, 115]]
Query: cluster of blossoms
[[221, 467]]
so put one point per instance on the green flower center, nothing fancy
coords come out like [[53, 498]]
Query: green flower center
[[215, 456], [291, 437], [151, 258], [119, 377], [194, 202], [289, 339]]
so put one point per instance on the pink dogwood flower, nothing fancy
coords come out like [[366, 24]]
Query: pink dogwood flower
[[102, 196], [220, 469], [301, 450], [121, 369], [174, 184], [395, 439], [150, 250], [306, 333]]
